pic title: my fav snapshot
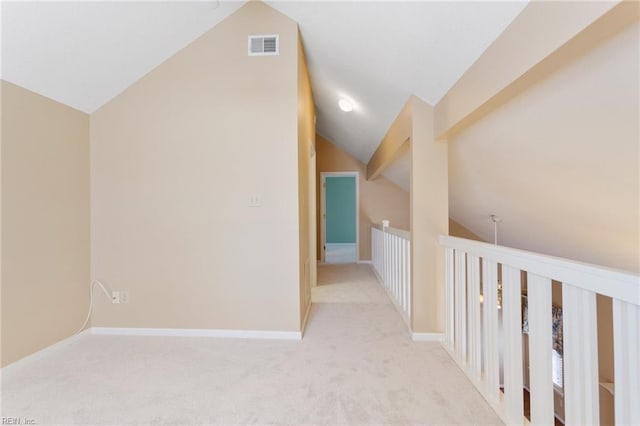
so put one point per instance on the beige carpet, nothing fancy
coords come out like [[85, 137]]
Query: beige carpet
[[355, 365]]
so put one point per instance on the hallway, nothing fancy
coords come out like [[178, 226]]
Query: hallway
[[355, 365]]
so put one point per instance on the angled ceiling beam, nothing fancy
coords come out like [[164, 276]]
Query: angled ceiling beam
[[508, 64], [394, 143]]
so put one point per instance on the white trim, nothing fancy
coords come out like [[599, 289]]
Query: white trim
[[427, 337], [402, 233], [341, 253], [366, 262], [323, 215], [198, 332], [609, 282], [44, 351], [626, 351]]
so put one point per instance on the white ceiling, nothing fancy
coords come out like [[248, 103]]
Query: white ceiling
[[376, 53], [380, 53], [83, 54]]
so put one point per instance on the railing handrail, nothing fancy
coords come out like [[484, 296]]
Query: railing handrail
[[617, 284], [402, 233]]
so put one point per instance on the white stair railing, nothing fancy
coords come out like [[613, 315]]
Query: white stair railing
[[475, 340], [391, 257]]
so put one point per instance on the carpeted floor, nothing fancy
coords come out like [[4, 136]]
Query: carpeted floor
[[355, 365]]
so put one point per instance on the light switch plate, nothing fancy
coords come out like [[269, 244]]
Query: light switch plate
[[255, 201]]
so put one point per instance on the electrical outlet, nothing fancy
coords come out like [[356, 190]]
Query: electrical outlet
[[124, 296], [115, 297]]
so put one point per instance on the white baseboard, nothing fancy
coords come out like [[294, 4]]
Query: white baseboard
[[427, 337], [340, 252], [366, 262], [198, 332], [44, 351]]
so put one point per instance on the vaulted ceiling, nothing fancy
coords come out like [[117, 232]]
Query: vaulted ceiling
[[376, 54], [379, 53], [558, 164], [83, 54]]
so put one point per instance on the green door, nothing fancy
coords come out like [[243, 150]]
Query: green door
[[340, 219]]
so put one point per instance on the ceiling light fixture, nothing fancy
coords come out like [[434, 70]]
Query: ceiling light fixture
[[345, 105]]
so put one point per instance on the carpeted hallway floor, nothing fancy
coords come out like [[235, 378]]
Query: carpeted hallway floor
[[355, 365]]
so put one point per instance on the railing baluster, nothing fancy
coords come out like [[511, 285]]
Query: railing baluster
[[512, 326], [501, 339], [449, 283], [403, 297], [409, 286], [393, 264], [399, 273], [397, 266], [387, 260], [394, 268], [373, 248], [375, 254], [580, 346], [400, 278], [400, 264], [490, 325], [626, 353], [473, 304], [540, 349], [461, 305], [380, 252], [390, 242], [385, 256], [390, 253]]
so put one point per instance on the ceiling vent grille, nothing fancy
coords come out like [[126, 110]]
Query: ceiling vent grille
[[263, 45]]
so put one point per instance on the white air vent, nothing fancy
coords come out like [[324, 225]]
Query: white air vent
[[263, 45]]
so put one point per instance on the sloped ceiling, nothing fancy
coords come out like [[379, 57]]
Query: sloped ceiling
[[375, 53], [83, 54], [560, 162]]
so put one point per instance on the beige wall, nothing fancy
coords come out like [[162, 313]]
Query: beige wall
[[45, 221], [175, 159], [510, 62], [379, 198], [429, 220], [306, 180], [428, 206], [560, 162]]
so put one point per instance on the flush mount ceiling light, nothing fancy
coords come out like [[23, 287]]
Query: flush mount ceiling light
[[345, 105]]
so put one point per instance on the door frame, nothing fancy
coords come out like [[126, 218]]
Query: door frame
[[323, 216]]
